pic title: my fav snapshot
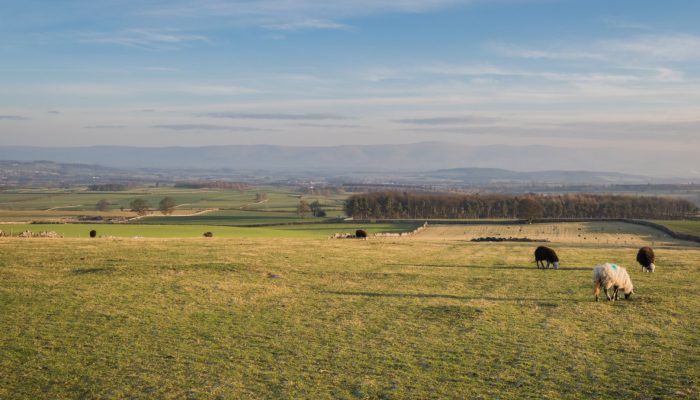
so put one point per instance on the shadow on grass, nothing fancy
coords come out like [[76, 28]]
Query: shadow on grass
[[533, 268], [547, 302], [94, 270]]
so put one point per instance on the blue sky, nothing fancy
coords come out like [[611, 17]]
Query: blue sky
[[300, 72]]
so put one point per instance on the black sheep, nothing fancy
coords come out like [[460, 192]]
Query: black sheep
[[645, 257], [542, 254], [361, 234], [208, 234], [93, 233]]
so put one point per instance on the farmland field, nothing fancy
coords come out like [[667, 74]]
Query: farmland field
[[192, 231], [689, 227], [430, 316], [194, 206]]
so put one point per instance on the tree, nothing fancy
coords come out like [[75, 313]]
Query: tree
[[260, 197], [316, 209], [303, 208], [139, 206], [529, 209], [103, 205], [167, 205]]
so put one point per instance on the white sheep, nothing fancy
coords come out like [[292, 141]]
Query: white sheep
[[611, 275]]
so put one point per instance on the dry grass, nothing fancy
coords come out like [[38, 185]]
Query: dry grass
[[599, 233], [391, 318]]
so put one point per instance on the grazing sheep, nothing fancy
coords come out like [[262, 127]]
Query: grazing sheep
[[361, 234], [611, 275], [208, 234], [93, 233], [645, 257], [543, 254]]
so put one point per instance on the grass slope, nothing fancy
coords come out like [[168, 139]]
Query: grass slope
[[199, 318]]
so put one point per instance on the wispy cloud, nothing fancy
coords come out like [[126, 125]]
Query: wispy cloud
[[648, 47], [105, 127], [205, 127], [663, 47], [307, 24], [469, 120], [330, 126], [144, 39], [293, 14], [510, 50], [275, 116], [13, 118]]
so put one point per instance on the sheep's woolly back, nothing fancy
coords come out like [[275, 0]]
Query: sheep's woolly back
[[547, 254], [609, 275], [646, 257]]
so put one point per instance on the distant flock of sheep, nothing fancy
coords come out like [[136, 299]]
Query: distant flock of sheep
[[606, 275]]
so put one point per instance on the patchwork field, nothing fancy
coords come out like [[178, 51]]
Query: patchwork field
[[194, 206], [307, 318]]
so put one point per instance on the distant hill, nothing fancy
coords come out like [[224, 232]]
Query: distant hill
[[418, 157], [490, 176]]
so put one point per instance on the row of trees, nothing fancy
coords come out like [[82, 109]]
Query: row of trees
[[423, 205], [141, 206], [108, 187]]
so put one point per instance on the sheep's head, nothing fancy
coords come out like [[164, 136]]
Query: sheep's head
[[651, 267], [629, 291], [556, 265]]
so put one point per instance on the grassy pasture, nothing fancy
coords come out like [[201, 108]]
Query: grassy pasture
[[583, 233], [317, 231], [230, 217], [689, 227], [279, 198], [431, 316]]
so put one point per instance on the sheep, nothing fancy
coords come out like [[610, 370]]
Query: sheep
[[542, 254], [208, 234], [93, 233], [361, 234], [611, 275], [645, 257]]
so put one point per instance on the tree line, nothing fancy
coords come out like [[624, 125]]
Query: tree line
[[390, 204]]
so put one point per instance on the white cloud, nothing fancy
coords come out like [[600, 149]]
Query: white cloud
[[144, 39], [291, 15], [661, 47], [657, 48]]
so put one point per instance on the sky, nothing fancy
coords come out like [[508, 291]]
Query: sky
[[586, 73]]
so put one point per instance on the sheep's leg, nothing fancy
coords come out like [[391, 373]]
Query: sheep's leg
[[615, 295], [605, 289], [596, 290]]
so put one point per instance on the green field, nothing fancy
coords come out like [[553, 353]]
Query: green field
[[193, 231], [279, 198], [689, 227], [430, 316], [231, 217], [194, 206]]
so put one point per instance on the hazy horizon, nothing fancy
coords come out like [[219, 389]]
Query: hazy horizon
[[566, 73]]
